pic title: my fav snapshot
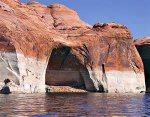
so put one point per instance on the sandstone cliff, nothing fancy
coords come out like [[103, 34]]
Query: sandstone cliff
[[143, 46], [35, 39]]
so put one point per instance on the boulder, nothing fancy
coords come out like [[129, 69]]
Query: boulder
[[103, 57]]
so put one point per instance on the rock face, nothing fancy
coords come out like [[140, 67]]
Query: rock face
[[37, 40], [143, 46]]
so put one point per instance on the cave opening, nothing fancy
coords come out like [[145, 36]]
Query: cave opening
[[64, 69], [143, 51]]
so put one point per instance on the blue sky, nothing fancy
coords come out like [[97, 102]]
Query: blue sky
[[135, 14]]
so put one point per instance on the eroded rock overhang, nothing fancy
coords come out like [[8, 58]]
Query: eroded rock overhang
[[105, 50]]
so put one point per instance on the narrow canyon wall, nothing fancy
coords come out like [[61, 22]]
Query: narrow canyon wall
[[108, 60]]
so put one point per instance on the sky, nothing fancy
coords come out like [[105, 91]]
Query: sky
[[135, 14]]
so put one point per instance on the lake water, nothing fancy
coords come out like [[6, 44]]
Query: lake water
[[74, 104]]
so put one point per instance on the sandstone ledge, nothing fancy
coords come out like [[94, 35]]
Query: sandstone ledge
[[65, 89]]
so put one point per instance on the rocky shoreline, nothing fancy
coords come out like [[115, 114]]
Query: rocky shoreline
[[63, 89]]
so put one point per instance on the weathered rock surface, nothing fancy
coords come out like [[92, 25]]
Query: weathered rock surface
[[143, 46], [32, 35]]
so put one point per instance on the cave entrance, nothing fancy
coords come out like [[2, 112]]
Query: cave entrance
[[143, 51], [64, 69]]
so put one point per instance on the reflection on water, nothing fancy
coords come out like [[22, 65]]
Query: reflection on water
[[74, 104]]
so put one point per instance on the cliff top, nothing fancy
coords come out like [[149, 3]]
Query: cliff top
[[37, 24], [142, 41]]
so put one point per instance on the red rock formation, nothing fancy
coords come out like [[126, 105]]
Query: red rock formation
[[142, 41], [143, 46], [105, 52]]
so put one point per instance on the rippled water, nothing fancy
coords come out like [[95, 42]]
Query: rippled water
[[74, 104]]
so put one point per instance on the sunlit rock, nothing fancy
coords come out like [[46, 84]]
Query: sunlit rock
[[102, 57]]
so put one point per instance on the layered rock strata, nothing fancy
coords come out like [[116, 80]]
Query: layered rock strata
[[106, 58]]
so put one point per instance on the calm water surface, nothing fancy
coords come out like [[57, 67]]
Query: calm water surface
[[74, 104]]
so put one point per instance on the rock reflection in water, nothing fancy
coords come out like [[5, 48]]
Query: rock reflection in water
[[74, 104]]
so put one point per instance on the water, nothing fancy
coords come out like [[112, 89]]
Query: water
[[74, 104]]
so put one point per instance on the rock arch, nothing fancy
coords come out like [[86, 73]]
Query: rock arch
[[64, 68], [37, 32], [67, 67]]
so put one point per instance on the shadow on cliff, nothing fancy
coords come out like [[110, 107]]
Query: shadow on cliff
[[144, 53], [64, 69]]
